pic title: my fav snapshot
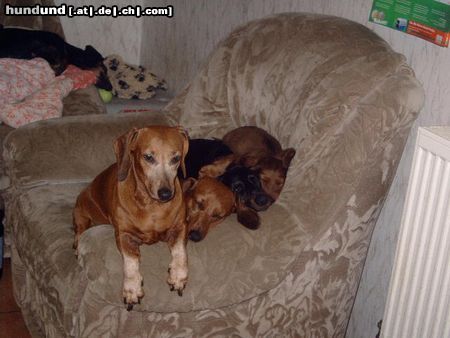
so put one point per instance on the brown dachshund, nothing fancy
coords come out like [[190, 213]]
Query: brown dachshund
[[208, 203], [261, 152], [142, 198]]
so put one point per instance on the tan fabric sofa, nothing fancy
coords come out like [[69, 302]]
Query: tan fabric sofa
[[326, 86]]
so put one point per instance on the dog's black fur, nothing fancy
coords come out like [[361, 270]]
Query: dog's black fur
[[245, 183], [203, 152], [242, 181], [27, 44]]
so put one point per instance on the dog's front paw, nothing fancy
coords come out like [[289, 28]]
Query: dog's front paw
[[132, 291], [177, 280], [248, 218]]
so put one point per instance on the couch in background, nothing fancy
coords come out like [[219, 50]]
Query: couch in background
[[328, 87], [81, 102]]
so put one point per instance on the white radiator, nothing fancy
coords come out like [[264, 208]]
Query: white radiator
[[418, 303]]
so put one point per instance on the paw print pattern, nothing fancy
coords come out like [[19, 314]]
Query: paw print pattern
[[131, 81], [140, 77], [123, 84], [113, 64]]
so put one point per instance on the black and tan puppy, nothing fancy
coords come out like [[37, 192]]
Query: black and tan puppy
[[211, 158], [262, 153], [250, 197]]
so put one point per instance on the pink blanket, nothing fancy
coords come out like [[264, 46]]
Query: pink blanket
[[29, 90]]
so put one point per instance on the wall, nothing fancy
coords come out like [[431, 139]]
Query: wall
[[183, 42], [108, 35], [174, 49]]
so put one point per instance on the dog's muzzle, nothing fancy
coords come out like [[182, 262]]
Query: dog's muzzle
[[260, 202], [195, 236], [165, 194]]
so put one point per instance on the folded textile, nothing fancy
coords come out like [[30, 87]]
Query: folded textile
[[81, 78], [21, 78], [29, 90]]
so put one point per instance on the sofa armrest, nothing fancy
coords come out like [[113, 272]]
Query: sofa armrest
[[84, 101], [69, 149]]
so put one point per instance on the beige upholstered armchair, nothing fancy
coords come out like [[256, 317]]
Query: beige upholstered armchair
[[326, 86]]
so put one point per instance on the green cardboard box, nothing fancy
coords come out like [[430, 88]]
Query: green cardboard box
[[428, 19]]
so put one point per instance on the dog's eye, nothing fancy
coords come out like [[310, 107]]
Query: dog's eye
[[216, 216], [237, 187], [175, 159], [253, 179], [149, 158], [201, 206]]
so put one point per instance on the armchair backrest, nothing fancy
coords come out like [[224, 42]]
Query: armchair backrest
[[327, 86], [337, 93]]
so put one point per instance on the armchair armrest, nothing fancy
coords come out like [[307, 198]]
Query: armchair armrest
[[69, 149], [91, 102]]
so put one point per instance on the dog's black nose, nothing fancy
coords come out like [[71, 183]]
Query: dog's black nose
[[164, 194], [261, 200], [195, 236]]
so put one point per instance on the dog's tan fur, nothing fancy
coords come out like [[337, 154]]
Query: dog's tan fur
[[208, 203], [126, 195]]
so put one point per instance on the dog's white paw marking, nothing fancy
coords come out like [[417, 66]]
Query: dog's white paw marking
[[132, 291], [132, 282], [178, 269], [178, 276]]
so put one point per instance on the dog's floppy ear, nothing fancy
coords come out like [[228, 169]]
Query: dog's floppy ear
[[286, 156], [185, 149], [122, 147], [188, 184], [247, 217], [93, 54], [218, 167]]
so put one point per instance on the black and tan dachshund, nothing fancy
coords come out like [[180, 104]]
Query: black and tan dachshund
[[18, 43]]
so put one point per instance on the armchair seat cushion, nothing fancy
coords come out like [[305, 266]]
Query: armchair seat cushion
[[233, 265]]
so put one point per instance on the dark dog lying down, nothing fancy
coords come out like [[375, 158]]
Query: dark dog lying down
[[214, 159], [209, 199], [27, 44], [250, 162], [262, 153]]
